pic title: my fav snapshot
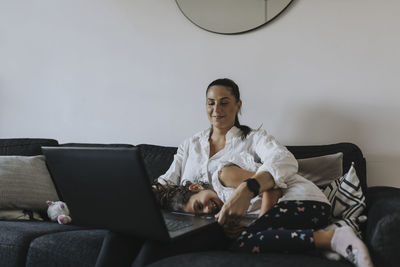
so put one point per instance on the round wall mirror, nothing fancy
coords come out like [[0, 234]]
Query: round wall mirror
[[231, 16]]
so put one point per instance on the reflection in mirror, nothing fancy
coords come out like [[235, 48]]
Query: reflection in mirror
[[231, 16]]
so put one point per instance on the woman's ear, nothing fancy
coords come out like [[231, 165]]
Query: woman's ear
[[195, 188], [239, 107]]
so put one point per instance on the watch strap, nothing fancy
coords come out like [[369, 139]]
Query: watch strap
[[253, 185]]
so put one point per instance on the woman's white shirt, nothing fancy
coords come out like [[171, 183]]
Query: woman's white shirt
[[258, 152]]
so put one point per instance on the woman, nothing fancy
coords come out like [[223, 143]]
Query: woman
[[249, 171]]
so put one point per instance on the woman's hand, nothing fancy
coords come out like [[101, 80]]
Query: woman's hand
[[236, 206]]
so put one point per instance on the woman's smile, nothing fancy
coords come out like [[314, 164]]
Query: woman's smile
[[219, 117]]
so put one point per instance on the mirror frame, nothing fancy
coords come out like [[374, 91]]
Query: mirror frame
[[239, 32]]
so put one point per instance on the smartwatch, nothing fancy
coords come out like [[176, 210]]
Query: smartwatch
[[253, 185]]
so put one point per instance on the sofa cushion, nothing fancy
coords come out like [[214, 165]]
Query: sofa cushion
[[16, 236], [351, 155], [225, 258], [118, 250], [10, 215], [25, 183], [24, 146], [384, 243], [347, 201], [322, 170], [72, 248], [383, 232]]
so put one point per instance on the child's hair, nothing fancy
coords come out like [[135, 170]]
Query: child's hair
[[174, 197]]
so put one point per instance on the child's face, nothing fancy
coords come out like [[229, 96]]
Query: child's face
[[205, 201]]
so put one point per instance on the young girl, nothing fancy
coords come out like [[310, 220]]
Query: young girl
[[288, 226]]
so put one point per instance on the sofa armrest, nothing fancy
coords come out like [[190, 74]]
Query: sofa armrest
[[383, 231]]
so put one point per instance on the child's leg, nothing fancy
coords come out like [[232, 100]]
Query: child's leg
[[275, 240], [277, 230], [272, 232], [294, 215], [269, 199]]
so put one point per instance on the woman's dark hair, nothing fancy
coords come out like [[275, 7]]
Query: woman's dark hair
[[234, 88], [174, 197]]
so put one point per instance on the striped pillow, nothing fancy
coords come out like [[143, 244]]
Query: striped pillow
[[347, 201]]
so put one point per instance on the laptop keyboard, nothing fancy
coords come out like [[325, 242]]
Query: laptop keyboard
[[175, 225]]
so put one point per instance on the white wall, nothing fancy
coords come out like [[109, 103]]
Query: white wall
[[136, 71]]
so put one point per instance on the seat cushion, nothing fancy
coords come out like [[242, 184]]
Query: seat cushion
[[72, 248], [16, 237], [224, 258]]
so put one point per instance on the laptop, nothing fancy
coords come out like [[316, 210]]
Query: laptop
[[109, 188]]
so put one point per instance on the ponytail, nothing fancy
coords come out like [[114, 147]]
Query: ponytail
[[245, 129]]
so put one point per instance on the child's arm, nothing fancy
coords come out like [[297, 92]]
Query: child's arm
[[269, 199]]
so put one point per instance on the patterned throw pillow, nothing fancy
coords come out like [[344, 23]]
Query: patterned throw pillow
[[347, 201]]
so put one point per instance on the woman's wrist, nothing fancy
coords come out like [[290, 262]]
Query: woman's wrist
[[253, 185], [245, 191], [265, 180]]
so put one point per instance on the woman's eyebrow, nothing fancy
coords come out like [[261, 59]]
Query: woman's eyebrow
[[223, 98]]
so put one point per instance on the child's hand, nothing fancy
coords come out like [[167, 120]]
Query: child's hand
[[236, 206], [233, 231]]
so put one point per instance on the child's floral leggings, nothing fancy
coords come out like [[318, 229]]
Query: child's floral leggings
[[286, 227]]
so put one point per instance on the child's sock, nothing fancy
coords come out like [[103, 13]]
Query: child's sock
[[346, 243], [330, 255]]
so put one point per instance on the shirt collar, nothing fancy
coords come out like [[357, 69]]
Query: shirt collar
[[233, 132]]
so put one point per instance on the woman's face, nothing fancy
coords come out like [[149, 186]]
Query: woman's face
[[222, 107], [205, 201]]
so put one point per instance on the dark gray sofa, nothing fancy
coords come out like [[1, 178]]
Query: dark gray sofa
[[44, 243]]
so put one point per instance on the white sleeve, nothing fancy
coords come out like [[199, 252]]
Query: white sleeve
[[173, 175], [276, 159]]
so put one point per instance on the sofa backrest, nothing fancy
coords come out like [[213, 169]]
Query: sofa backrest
[[158, 158], [96, 145], [24, 146]]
